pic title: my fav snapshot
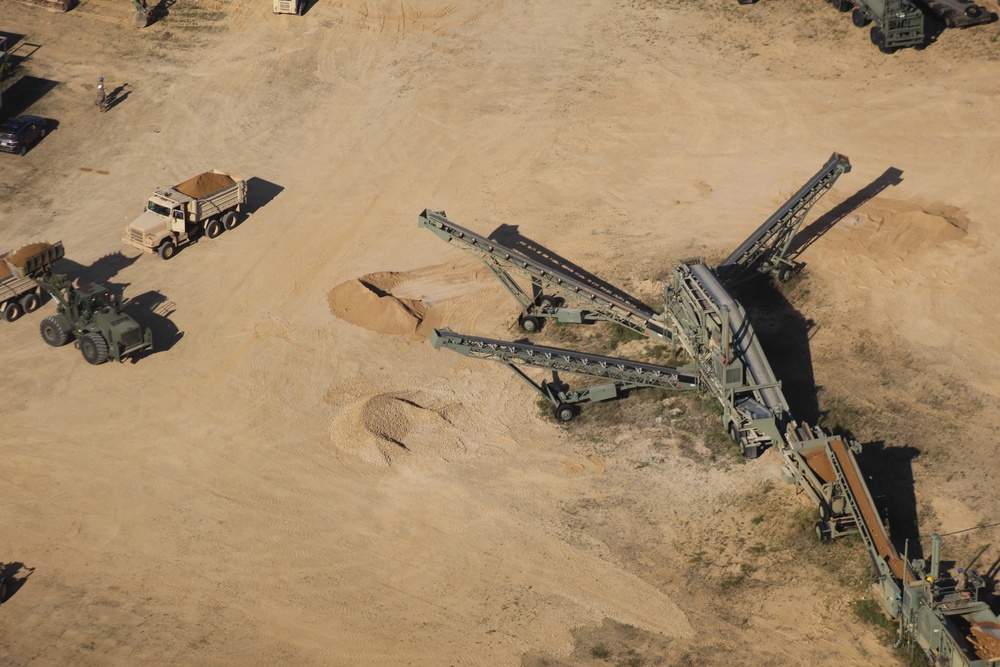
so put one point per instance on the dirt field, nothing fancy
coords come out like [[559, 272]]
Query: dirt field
[[296, 477]]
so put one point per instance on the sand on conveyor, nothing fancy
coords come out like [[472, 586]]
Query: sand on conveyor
[[205, 184]]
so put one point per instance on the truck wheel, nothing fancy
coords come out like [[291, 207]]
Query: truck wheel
[[213, 228], [30, 302], [167, 249], [94, 348], [11, 311], [53, 332], [230, 220], [859, 19]]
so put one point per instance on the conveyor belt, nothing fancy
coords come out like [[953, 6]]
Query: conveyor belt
[[500, 259], [768, 245], [743, 335], [862, 502], [633, 373]]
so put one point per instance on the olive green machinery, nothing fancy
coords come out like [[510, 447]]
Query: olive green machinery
[[938, 610]]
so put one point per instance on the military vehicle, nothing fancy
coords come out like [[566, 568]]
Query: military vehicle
[[93, 316], [19, 294], [174, 216]]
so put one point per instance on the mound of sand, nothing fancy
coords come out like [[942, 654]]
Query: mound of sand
[[368, 302], [389, 429], [204, 185]]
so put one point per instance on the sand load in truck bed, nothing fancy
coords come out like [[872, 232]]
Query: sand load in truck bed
[[205, 184], [19, 257]]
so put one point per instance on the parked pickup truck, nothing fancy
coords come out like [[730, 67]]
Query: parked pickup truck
[[175, 216]]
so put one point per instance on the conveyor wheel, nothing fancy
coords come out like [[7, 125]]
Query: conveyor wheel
[[530, 323], [822, 531], [565, 412], [547, 301]]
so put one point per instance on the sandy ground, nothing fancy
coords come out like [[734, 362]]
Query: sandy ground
[[297, 477]]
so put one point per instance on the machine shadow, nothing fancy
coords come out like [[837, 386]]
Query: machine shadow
[[509, 236], [152, 309], [784, 335], [103, 271], [810, 234], [888, 473], [25, 92], [14, 575]]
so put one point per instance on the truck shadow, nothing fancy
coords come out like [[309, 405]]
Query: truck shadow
[[509, 236], [259, 194], [15, 574], [152, 309]]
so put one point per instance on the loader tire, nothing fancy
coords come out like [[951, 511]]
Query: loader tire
[[53, 332], [12, 311], [30, 302], [94, 348]]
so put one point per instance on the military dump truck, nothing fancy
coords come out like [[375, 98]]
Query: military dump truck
[[92, 315], [19, 294], [174, 216], [898, 23]]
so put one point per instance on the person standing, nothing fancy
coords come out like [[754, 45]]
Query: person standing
[[102, 98]]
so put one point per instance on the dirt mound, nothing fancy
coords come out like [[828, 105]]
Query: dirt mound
[[205, 184], [368, 302], [390, 429]]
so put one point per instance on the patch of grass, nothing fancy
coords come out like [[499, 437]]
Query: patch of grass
[[600, 651]]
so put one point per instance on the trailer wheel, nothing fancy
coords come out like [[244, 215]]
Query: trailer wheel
[[167, 249], [30, 302], [230, 220], [53, 332], [822, 531], [565, 412], [94, 348], [547, 301], [530, 323], [213, 228], [750, 452], [859, 18], [734, 432], [12, 311]]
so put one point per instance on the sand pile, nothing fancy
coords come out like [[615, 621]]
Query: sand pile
[[389, 429], [368, 302], [204, 185], [986, 638]]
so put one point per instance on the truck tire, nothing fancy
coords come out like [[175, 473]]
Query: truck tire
[[213, 228], [30, 302], [11, 311], [230, 220], [53, 332], [843, 5], [859, 18], [167, 249], [94, 348]]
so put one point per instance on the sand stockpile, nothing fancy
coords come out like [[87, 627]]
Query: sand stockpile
[[368, 302], [390, 429], [204, 185]]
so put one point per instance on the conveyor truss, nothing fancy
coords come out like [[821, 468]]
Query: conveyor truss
[[552, 293], [940, 611]]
